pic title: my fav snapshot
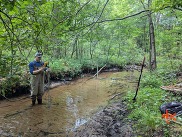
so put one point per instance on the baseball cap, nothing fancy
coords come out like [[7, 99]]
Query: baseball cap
[[38, 54]]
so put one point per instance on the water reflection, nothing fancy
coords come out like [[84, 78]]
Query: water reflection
[[64, 109], [79, 122], [72, 107]]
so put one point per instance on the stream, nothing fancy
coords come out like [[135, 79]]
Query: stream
[[64, 108]]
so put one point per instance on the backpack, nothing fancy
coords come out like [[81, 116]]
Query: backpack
[[172, 107]]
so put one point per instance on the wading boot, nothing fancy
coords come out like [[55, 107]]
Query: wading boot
[[33, 102], [39, 101]]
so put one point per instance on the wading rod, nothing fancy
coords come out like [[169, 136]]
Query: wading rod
[[139, 79]]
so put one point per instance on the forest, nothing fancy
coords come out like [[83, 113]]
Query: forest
[[77, 36]]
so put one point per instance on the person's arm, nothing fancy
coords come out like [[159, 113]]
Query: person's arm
[[34, 72], [38, 71]]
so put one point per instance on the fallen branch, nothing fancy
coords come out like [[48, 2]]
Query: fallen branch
[[139, 79], [115, 95], [175, 90], [10, 115], [46, 133], [99, 71], [95, 74], [172, 89], [17, 112]]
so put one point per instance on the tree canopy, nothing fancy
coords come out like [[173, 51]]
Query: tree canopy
[[115, 32]]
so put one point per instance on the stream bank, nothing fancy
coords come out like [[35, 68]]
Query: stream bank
[[110, 122], [19, 85], [65, 108]]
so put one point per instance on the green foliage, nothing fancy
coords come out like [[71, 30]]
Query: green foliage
[[9, 84], [120, 61], [146, 109], [161, 4], [167, 70], [64, 29], [62, 68], [89, 64], [151, 80]]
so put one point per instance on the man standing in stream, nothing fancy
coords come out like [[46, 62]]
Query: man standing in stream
[[37, 68]]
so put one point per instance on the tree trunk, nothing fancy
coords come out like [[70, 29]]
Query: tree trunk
[[91, 55], [76, 46], [119, 50], [152, 58], [75, 49], [145, 43], [153, 64]]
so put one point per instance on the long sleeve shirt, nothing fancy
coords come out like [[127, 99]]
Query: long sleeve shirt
[[34, 65]]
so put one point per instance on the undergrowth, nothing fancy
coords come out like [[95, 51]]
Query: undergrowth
[[145, 110]]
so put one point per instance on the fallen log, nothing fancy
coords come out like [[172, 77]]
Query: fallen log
[[173, 89]]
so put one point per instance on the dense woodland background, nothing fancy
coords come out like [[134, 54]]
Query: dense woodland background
[[77, 35]]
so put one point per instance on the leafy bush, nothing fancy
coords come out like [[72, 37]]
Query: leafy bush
[[65, 67], [167, 69], [9, 84], [151, 80]]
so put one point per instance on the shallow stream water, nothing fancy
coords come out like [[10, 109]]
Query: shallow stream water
[[64, 108]]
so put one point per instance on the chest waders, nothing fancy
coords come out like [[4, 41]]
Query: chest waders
[[37, 87]]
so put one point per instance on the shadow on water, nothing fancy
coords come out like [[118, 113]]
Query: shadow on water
[[64, 108]]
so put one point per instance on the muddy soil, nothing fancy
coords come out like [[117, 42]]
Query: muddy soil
[[110, 122]]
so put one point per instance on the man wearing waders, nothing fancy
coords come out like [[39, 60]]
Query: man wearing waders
[[37, 69]]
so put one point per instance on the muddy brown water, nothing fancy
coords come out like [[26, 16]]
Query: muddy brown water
[[64, 108]]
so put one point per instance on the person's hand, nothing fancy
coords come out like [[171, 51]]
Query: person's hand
[[48, 70], [42, 69]]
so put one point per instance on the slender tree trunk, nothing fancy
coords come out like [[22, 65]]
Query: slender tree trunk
[[73, 51], [152, 52], [145, 39], [65, 53], [152, 58], [80, 50], [153, 64], [119, 50], [76, 46], [91, 56], [108, 52]]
